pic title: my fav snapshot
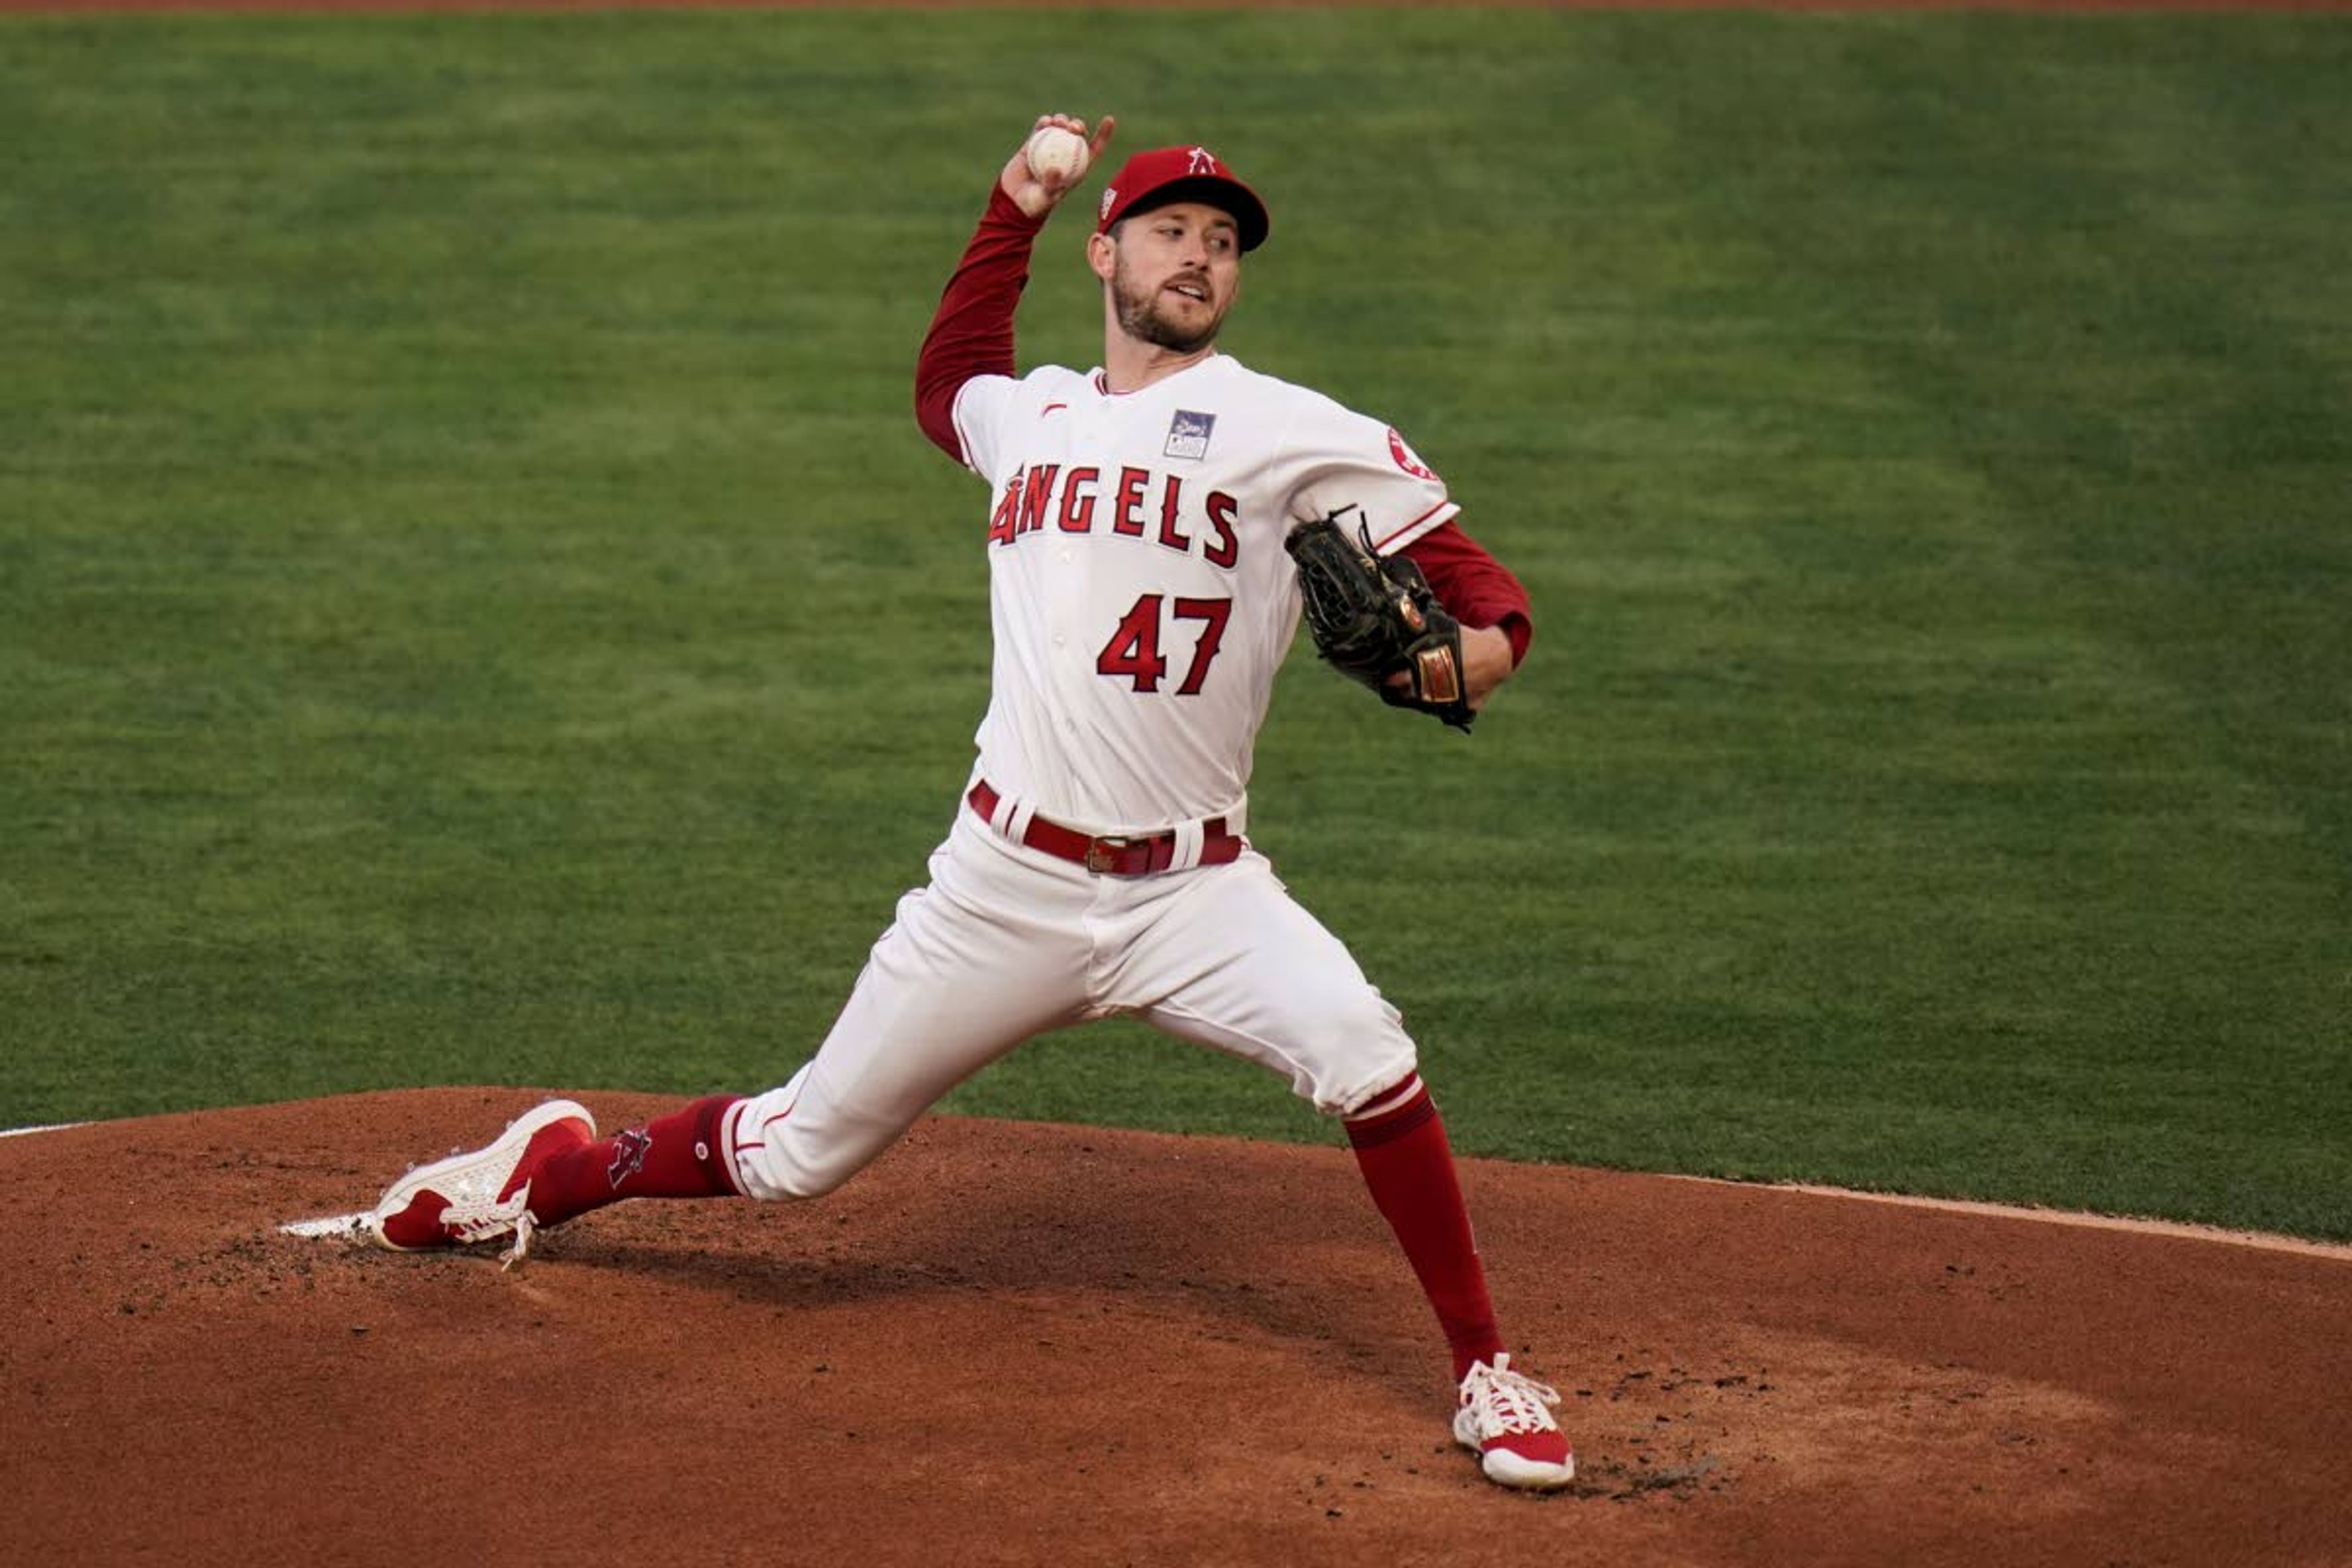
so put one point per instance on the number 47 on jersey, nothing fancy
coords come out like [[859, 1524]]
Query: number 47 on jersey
[[1133, 651]]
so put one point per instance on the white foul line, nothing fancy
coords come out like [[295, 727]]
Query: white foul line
[[2264, 1240]]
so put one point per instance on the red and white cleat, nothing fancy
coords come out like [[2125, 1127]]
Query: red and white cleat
[[1506, 1419], [480, 1196]]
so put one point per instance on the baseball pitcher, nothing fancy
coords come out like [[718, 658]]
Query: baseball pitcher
[[1154, 530]]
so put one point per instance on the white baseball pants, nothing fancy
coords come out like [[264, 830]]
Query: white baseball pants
[[1008, 942]]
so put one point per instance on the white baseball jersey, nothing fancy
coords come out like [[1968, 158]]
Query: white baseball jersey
[[1140, 592], [1142, 602]]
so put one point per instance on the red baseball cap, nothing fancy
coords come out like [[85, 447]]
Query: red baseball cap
[[1168, 174]]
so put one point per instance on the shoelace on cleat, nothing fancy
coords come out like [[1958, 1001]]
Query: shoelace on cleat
[[486, 1221], [1509, 1401], [468, 1223], [525, 1226]]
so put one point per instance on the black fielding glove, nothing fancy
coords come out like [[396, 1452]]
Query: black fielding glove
[[1373, 620]]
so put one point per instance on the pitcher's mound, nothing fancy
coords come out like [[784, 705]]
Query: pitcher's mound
[[1017, 1343]]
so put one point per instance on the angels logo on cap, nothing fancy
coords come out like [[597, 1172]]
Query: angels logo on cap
[[1191, 174]]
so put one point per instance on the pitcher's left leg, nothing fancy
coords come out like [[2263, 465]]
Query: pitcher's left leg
[[1231, 961], [1402, 1148]]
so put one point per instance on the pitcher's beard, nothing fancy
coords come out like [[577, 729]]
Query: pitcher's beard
[[1141, 318]]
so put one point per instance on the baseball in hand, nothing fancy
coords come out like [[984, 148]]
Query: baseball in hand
[[1056, 156]]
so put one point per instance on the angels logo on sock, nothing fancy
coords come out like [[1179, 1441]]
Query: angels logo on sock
[[629, 1149]]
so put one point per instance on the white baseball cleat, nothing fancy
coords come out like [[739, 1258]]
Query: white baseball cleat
[[479, 1196], [1506, 1419]]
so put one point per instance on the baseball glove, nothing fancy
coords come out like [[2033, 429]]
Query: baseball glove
[[1374, 619]]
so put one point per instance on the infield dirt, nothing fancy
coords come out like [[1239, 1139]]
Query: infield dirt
[[1017, 1343]]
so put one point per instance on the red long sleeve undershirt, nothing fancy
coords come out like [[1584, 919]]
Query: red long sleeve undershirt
[[972, 334]]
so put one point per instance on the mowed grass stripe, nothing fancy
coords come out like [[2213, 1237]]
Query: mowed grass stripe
[[479, 608]]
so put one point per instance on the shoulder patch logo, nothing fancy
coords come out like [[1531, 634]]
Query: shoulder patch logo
[[1188, 434], [1405, 458]]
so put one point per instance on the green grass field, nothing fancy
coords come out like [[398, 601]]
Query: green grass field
[[475, 607]]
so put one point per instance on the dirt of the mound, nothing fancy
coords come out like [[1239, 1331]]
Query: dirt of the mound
[[1017, 1343]]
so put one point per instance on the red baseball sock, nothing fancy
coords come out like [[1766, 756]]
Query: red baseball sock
[[673, 1156], [1401, 1146]]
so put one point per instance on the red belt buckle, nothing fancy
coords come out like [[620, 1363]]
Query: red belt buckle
[[1103, 854]]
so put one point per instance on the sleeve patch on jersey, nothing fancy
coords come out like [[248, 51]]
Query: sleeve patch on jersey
[[1188, 434], [1405, 458]]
